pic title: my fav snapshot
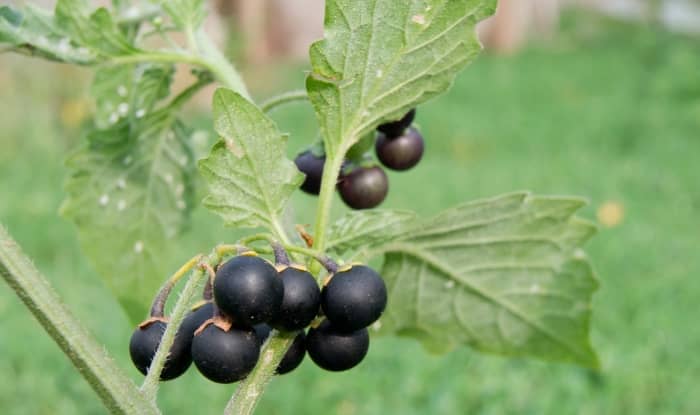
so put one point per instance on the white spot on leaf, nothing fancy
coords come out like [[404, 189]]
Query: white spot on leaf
[[449, 284], [122, 91], [380, 73], [104, 200], [138, 247], [121, 205], [181, 204], [123, 108], [140, 113], [113, 118], [121, 183], [418, 19]]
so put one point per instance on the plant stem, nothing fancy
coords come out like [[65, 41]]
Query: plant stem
[[115, 389], [150, 384], [281, 99], [250, 390], [331, 171], [221, 67]]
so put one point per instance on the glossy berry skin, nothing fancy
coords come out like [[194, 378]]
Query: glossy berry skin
[[225, 356], [295, 354], [196, 318], [354, 298], [336, 350], [364, 187], [144, 344], [402, 152], [312, 167], [396, 128], [301, 301], [248, 289]]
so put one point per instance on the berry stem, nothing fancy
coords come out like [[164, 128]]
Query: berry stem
[[158, 306], [150, 384], [116, 390], [281, 257], [282, 99]]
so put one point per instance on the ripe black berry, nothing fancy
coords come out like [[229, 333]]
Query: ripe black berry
[[336, 350], [402, 152], [144, 344], [225, 356], [196, 318], [312, 166], [354, 298], [248, 289], [295, 354], [364, 187], [301, 301], [395, 128]]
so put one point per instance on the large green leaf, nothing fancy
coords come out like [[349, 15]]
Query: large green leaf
[[503, 275], [248, 174], [367, 228], [380, 58], [129, 195]]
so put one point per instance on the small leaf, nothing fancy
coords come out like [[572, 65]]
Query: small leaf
[[365, 229], [503, 275], [248, 174], [185, 13], [129, 194], [96, 31], [379, 58], [35, 30]]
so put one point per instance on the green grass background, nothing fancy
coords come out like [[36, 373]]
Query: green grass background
[[606, 111]]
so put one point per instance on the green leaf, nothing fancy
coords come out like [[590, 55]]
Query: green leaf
[[35, 31], [379, 58], [185, 13], [366, 229], [503, 275], [129, 194], [129, 91], [248, 174], [96, 31]]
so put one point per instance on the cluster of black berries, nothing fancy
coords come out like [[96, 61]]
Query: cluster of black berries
[[398, 146], [251, 296]]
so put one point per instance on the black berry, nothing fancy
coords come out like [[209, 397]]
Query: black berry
[[395, 128], [295, 354], [312, 166], [354, 298], [364, 187], [336, 350], [225, 356], [196, 318], [301, 300], [144, 344], [248, 289], [402, 152]]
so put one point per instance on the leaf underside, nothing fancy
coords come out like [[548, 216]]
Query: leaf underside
[[247, 172], [502, 275], [129, 194], [379, 58]]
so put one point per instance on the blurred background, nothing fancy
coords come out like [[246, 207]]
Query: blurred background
[[597, 98]]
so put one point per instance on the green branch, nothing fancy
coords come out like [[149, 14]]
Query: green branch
[[285, 98], [117, 391]]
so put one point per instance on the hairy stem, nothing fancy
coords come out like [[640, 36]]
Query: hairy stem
[[285, 98], [115, 389], [250, 390], [150, 384]]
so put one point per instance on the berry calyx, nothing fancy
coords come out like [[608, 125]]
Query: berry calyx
[[144, 344], [225, 356], [312, 166], [396, 128], [334, 349], [364, 187], [295, 354], [248, 289], [402, 152], [354, 298], [301, 300]]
